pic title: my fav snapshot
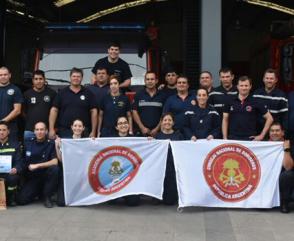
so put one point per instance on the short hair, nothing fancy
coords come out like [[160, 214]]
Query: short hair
[[102, 68], [202, 89], [166, 114], [113, 76], [5, 124], [5, 68], [39, 72], [225, 70], [150, 72], [114, 44], [76, 70], [270, 71], [183, 77], [41, 123], [244, 78], [276, 123], [206, 72]]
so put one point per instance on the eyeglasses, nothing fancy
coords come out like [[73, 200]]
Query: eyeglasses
[[122, 123]]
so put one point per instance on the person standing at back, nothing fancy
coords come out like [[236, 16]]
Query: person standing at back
[[115, 66]]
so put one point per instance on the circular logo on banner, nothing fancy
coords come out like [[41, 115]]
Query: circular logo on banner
[[112, 169], [232, 172]]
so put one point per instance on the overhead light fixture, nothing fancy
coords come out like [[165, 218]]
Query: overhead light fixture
[[116, 9], [26, 15], [271, 5], [60, 3]]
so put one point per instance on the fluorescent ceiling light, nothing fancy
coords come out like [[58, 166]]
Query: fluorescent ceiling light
[[271, 5], [116, 9], [60, 3]]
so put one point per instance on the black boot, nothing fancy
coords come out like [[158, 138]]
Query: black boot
[[48, 202], [284, 208], [11, 198]]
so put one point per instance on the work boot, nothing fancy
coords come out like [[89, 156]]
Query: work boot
[[284, 208], [48, 202], [11, 198]]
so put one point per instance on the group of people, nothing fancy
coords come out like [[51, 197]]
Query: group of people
[[169, 111]]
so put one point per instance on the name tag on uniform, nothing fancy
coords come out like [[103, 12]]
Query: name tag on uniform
[[5, 163]]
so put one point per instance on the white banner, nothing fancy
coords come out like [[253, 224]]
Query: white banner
[[221, 173], [103, 169]]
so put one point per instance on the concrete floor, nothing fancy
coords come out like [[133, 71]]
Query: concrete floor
[[145, 223]]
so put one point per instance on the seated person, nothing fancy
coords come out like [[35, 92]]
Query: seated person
[[11, 149], [40, 168], [276, 133]]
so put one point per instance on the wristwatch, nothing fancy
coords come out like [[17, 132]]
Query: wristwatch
[[287, 149]]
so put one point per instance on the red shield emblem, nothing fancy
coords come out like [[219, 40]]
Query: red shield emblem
[[232, 172]]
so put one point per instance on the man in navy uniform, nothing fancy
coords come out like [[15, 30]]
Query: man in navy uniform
[[71, 103], [180, 103], [10, 102], [101, 87], [37, 103], [148, 105], [223, 93], [240, 116], [115, 66], [11, 150], [273, 99], [171, 80], [40, 167], [205, 81]]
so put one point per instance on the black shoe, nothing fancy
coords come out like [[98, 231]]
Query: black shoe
[[48, 203], [11, 197], [284, 208]]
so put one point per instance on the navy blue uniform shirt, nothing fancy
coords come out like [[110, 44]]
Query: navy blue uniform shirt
[[243, 117], [37, 106], [219, 96], [277, 104], [169, 92], [120, 68], [178, 108], [9, 95], [114, 107], [72, 106], [99, 92], [39, 152], [149, 107], [202, 122]]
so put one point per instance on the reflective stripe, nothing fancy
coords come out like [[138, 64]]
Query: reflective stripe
[[213, 112], [270, 97], [189, 113], [215, 93], [218, 105], [232, 92], [7, 150], [146, 103], [279, 111]]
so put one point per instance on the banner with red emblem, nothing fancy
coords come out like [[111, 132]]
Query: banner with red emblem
[[103, 169], [222, 173]]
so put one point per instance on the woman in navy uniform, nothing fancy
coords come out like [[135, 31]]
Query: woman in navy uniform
[[78, 129], [202, 120], [112, 106], [170, 193]]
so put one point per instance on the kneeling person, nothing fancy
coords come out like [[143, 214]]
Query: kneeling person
[[41, 168], [12, 151]]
